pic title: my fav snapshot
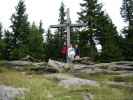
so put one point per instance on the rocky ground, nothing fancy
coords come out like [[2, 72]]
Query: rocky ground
[[60, 81]]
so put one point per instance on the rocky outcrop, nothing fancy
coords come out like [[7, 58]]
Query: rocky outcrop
[[58, 67], [105, 68], [61, 67], [10, 93]]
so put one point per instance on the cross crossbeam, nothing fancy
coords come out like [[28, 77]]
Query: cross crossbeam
[[65, 25], [58, 26]]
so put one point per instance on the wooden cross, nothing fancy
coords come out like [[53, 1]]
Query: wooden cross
[[68, 26]]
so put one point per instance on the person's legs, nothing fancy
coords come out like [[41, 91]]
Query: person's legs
[[65, 58]]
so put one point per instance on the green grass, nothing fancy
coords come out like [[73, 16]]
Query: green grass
[[98, 76], [41, 88]]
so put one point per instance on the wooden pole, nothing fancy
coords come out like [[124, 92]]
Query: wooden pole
[[68, 31]]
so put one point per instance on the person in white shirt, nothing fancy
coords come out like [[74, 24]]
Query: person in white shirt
[[71, 53]]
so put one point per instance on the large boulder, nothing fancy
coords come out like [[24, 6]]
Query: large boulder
[[10, 93], [56, 65]]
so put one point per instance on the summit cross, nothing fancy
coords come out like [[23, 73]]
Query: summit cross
[[68, 26]]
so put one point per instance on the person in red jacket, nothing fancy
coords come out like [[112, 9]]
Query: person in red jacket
[[64, 52]]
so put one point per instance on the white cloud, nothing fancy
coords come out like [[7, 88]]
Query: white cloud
[[112, 7], [48, 10]]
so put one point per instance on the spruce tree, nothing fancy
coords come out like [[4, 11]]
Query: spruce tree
[[127, 14], [90, 10], [50, 45], [8, 41], [35, 42], [126, 11], [108, 37], [62, 18], [59, 37], [20, 28], [1, 42], [41, 30]]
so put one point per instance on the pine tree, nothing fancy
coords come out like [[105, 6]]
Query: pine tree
[[20, 28], [127, 14]]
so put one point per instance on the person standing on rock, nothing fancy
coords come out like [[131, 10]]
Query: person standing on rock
[[64, 52], [71, 53], [77, 52]]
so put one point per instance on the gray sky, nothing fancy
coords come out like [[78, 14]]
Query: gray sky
[[48, 10]]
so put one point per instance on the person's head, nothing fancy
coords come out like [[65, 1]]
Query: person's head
[[76, 45]]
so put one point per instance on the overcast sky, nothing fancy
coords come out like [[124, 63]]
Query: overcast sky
[[48, 10]]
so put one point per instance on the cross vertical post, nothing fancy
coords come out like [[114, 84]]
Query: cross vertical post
[[68, 31], [68, 28]]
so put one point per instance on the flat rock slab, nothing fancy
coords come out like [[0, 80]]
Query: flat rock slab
[[18, 63], [59, 76], [82, 66], [10, 93], [67, 80], [74, 82]]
